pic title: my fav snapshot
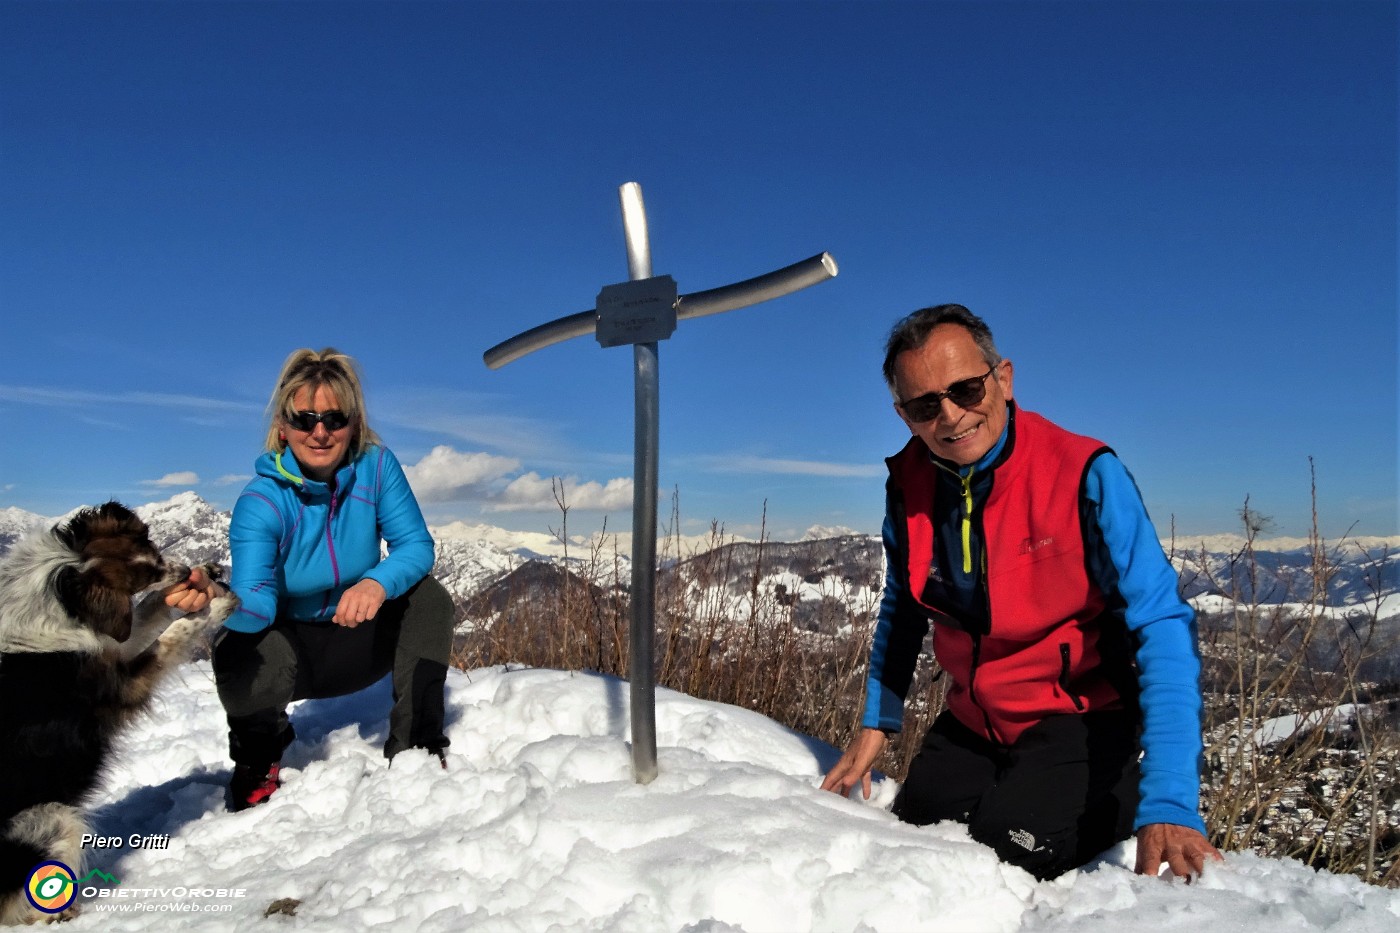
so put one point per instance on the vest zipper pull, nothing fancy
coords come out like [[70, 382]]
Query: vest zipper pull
[[967, 522]]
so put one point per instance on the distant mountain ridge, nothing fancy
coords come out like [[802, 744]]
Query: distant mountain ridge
[[471, 558], [188, 528]]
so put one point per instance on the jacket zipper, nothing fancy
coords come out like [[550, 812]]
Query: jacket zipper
[[972, 689], [987, 600], [330, 551], [966, 523], [1064, 678]]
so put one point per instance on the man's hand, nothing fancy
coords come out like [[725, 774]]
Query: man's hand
[[359, 604], [855, 765], [1183, 849], [193, 593]]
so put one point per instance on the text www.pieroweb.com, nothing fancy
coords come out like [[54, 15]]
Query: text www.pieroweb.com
[[146, 907], [163, 900]]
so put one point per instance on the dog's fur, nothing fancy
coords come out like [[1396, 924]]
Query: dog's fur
[[79, 658]]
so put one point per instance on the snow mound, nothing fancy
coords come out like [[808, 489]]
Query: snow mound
[[537, 825]]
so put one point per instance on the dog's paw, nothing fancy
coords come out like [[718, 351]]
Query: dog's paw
[[212, 571], [221, 607], [182, 633]]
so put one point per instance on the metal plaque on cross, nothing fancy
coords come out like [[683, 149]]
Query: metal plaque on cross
[[643, 311]]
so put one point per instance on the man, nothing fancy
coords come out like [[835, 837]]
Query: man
[[1055, 615]]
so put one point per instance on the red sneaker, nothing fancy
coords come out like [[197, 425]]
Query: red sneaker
[[251, 785]]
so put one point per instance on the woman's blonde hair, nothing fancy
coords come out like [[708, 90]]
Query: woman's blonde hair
[[311, 369]]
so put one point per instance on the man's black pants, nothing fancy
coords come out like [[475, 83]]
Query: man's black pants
[[1063, 793], [258, 674]]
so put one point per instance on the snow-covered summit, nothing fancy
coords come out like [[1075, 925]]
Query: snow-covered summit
[[527, 544], [188, 527], [16, 523], [824, 532]]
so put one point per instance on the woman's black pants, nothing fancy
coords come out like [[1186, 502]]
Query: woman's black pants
[[258, 674]]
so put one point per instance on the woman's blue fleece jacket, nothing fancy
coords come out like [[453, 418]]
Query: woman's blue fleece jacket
[[297, 543]]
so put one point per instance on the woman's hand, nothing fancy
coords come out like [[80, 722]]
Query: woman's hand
[[359, 604], [193, 593]]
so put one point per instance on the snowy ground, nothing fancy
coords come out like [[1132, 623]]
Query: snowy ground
[[537, 826]]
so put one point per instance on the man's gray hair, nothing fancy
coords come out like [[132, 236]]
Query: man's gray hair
[[911, 332]]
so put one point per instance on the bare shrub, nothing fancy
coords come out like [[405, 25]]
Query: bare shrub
[[1302, 754]]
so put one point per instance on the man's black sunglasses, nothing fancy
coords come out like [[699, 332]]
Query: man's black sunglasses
[[964, 393], [334, 420]]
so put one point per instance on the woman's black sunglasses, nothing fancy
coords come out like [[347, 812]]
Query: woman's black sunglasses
[[334, 420], [964, 393]]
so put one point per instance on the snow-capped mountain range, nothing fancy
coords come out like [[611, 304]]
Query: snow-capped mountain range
[[1355, 572], [1361, 572], [185, 526]]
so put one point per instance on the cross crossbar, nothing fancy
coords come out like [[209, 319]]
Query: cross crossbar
[[752, 291]]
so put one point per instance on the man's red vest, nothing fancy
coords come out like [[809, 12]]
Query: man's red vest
[[1040, 654]]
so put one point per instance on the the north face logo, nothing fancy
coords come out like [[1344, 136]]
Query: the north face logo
[[1029, 545], [1023, 839]]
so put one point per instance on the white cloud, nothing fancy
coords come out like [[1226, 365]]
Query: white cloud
[[447, 475], [40, 395], [793, 467], [534, 493], [183, 478], [473, 419], [228, 479]]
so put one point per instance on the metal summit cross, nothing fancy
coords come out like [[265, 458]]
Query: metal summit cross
[[641, 312]]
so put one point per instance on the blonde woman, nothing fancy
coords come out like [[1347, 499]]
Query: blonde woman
[[323, 614]]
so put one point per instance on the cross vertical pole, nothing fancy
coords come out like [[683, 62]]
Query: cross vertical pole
[[647, 391], [642, 312]]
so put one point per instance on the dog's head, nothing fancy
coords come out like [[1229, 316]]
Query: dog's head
[[114, 560]]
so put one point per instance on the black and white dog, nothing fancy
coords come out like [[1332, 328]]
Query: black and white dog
[[79, 658]]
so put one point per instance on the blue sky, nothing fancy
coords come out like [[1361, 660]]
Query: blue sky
[[1178, 218]]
